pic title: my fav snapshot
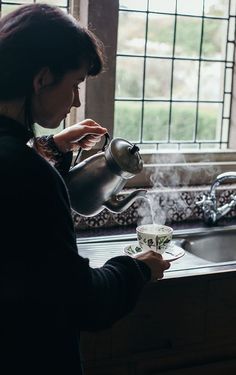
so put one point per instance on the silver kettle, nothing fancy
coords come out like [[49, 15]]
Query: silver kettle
[[94, 182]]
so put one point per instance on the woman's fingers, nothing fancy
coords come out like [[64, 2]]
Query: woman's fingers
[[155, 262], [86, 143], [84, 134], [93, 132]]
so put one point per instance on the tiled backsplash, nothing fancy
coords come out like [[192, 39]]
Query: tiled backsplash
[[169, 206]]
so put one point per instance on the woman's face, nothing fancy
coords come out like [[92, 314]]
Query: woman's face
[[51, 101]]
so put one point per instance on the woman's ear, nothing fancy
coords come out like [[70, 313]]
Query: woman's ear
[[42, 79]]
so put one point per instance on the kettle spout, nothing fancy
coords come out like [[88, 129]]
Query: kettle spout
[[117, 206]]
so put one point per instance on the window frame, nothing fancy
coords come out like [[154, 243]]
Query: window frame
[[98, 103]]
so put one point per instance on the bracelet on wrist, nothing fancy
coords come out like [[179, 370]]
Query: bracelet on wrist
[[49, 141]]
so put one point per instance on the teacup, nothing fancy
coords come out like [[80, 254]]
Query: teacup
[[155, 237]]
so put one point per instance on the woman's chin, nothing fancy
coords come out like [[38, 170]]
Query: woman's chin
[[50, 125]]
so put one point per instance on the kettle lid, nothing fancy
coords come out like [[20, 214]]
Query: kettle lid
[[125, 156]]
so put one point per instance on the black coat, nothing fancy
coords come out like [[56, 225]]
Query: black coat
[[48, 292]]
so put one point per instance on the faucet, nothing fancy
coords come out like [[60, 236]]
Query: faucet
[[211, 212]]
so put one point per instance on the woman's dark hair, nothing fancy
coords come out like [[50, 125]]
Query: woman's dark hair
[[39, 35]]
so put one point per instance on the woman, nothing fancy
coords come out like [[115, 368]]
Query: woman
[[48, 292]]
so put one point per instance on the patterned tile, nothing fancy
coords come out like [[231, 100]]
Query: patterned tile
[[163, 206]]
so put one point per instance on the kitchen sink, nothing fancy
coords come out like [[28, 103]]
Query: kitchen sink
[[212, 244]]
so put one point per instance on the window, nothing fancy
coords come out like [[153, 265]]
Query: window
[[10, 5], [176, 121], [174, 73]]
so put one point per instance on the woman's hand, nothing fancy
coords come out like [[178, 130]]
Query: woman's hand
[[155, 262], [85, 134]]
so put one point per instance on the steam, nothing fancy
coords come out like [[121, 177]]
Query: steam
[[168, 196]]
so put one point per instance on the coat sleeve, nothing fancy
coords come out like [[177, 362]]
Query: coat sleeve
[[116, 288], [46, 147], [57, 274], [96, 298]]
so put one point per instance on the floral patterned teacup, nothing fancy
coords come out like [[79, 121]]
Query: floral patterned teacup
[[154, 237]]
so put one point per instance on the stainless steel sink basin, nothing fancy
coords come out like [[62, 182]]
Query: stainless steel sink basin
[[212, 244]]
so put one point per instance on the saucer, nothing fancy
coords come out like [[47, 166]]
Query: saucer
[[172, 253]]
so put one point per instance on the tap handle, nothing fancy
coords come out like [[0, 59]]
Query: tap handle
[[232, 202], [202, 201], [208, 202]]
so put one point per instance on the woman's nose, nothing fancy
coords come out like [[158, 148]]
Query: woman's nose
[[76, 101]]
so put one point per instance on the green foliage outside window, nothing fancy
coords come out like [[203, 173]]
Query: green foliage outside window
[[128, 118]]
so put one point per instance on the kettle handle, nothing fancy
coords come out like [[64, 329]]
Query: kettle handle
[[107, 141]]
